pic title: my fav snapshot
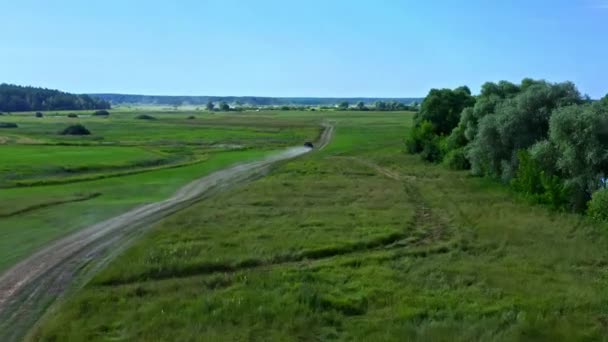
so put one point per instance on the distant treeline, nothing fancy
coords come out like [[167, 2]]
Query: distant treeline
[[118, 99], [544, 139], [15, 98]]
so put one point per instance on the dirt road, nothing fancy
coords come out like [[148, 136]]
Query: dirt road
[[29, 288]]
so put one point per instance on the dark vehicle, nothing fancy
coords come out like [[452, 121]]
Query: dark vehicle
[[309, 144]]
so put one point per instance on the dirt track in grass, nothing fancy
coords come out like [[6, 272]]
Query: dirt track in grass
[[29, 288]]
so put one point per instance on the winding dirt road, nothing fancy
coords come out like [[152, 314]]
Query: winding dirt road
[[29, 288]]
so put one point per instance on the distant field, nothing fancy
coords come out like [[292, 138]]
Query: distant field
[[26, 161], [359, 241]]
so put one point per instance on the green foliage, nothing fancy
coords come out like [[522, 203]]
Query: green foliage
[[210, 106], [72, 115], [15, 98], [485, 104], [456, 159], [383, 106], [39, 114], [343, 105], [423, 140], [102, 112], [145, 117], [580, 135], [516, 124], [598, 205], [224, 107], [361, 106], [8, 125], [442, 107], [77, 129], [537, 184]]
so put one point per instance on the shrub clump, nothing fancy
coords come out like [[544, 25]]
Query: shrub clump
[[75, 130], [39, 114], [457, 160], [597, 208], [191, 117], [72, 115], [145, 117], [102, 112], [423, 140], [8, 125]]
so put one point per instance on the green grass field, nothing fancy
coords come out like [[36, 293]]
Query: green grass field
[[52, 185], [359, 241]]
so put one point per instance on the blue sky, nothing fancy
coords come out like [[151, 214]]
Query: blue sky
[[301, 48]]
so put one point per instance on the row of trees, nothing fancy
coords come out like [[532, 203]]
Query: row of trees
[[15, 98], [344, 105], [223, 106], [378, 106], [544, 139]]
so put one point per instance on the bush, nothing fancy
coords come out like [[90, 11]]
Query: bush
[[72, 115], [597, 208], [39, 114], [8, 125], [423, 140], [102, 112], [457, 160], [191, 117], [537, 184], [75, 130], [145, 117]]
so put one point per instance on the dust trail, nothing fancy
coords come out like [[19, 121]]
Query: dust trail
[[29, 288]]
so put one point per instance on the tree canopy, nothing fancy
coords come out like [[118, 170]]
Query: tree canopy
[[442, 108], [544, 139]]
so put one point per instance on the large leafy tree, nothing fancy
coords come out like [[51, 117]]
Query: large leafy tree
[[442, 108], [517, 123], [491, 95], [580, 136]]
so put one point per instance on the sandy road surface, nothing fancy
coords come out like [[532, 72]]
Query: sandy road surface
[[29, 288]]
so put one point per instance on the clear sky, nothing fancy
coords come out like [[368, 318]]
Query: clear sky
[[332, 48]]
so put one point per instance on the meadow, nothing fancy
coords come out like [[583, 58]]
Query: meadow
[[52, 185], [359, 241]]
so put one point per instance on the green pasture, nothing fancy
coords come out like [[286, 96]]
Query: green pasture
[[358, 242]]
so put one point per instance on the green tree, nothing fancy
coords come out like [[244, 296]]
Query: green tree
[[423, 140], [210, 106], [380, 105], [442, 107], [224, 106], [361, 106], [580, 135], [343, 105], [517, 123]]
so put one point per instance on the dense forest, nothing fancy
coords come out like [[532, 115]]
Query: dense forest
[[15, 98], [117, 99], [543, 139]]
